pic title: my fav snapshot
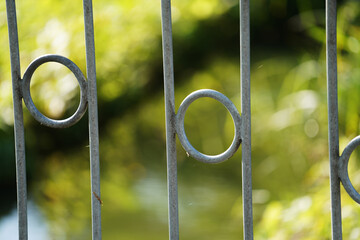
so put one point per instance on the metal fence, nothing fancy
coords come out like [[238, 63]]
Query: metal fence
[[88, 99], [174, 121], [338, 163]]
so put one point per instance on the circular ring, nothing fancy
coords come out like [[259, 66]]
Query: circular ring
[[181, 130], [343, 169], [30, 104]]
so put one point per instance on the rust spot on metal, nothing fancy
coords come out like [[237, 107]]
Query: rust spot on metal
[[99, 199]]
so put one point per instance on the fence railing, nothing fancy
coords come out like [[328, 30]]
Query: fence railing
[[88, 99], [338, 163], [174, 121]]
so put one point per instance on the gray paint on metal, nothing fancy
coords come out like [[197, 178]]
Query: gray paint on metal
[[174, 122], [30, 104], [343, 169], [181, 131], [331, 69], [170, 121], [246, 118], [18, 120], [88, 95], [93, 121]]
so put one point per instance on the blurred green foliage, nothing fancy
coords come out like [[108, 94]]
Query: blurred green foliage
[[289, 117]]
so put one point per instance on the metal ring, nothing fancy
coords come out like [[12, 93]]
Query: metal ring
[[181, 130], [343, 169], [30, 104]]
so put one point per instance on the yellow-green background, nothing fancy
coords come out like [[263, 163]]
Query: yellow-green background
[[289, 118]]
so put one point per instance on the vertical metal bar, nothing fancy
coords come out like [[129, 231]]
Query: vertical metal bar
[[18, 120], [93, 121], [331, 62], [246, 118], [170, 119]]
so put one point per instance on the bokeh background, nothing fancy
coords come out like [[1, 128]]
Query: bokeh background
[[289, 119]]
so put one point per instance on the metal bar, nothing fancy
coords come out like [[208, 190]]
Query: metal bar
[[331, 68], [170, 119], [18, 120], [93, 121], [246, 118]]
